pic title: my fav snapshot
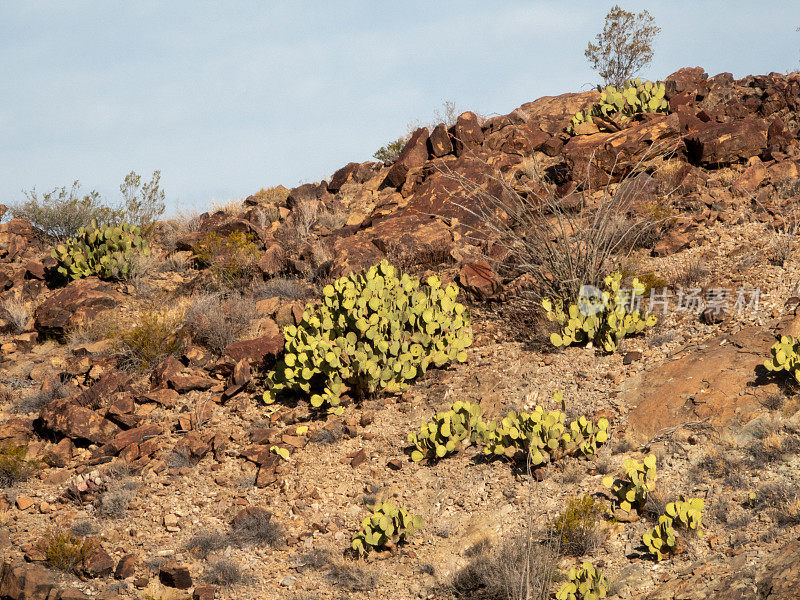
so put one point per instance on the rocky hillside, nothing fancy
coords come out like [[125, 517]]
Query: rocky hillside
[[138, 459]]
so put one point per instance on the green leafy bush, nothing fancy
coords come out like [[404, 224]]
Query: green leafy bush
[[585, 583], [634, 97], [14, 467], [391, 151], [66, 551], [603, 321], [785, 356], [445, 433], [639, 481], [662, 540], [375, 330], [105, 251], [387, 525], [152, 338], [231, 258]]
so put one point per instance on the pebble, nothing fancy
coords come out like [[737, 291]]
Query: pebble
[[288, 581]]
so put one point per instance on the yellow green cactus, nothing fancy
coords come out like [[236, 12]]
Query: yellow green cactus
[[635, 97], [374, 330], [785, 356], [105, 251], [604, 322], [585, 583], [387, 525], [446, 432], [632, 490]]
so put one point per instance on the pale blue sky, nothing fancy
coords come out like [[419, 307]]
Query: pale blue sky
[[227, 97]]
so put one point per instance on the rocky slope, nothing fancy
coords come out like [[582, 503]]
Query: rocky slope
[[168, 471]]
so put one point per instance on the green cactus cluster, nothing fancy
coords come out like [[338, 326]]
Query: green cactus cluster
[[585, 583], [105, 251], [603, 321], [634, 97], [446, 432], [588, 435], [640, 480], [374, 330], [543, 435], [785, 356], [387, 526], [662, 540]]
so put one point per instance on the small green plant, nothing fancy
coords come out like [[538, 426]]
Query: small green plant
[[386, 526], [13, 465], [640, 480], [282, 452], [585, 583], [375, 330], [105, 251], [576, 527], [635, 97], [785, 356], [66, 551], [445, 433], [604, 320]]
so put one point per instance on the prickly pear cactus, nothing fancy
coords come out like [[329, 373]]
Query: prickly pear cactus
[[635, 97], [588, 435], [603, 321], [387, 526], [540, 434], [585, 583], [105, 251], [661, 540], [447, 432], [785, 356], [639, 481], [375, 330]]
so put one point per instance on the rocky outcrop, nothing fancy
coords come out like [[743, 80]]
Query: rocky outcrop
[[73, 306]]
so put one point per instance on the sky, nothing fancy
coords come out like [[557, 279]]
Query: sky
[[225, 98]]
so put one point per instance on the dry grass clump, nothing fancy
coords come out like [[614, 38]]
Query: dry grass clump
[[223, 572], [519, 567], [345, 574], [285, 288], [16, 312], [217, 319], [204, 543], [257, 529]]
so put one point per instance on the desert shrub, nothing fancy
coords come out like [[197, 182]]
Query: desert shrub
[[272, 195], [105, 251], [153, 338], [223, 572], [285, 288], [604, 319], [344, 574], [206, 542], [558, 243], [624, 47], [519, 567], [216, 320], [257, 529], [14, 467], [390, 152], [66, 551], [577, 526], [35, 401], [375, 330], [142, 203], [231, 258], [61, 212], [114, 503], [84, 528]]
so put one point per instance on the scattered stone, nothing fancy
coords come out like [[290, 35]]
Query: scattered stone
[[175, 575]]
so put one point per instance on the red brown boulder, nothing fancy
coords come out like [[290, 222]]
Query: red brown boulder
[[75, 305], [414, 154], [467, 133]]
